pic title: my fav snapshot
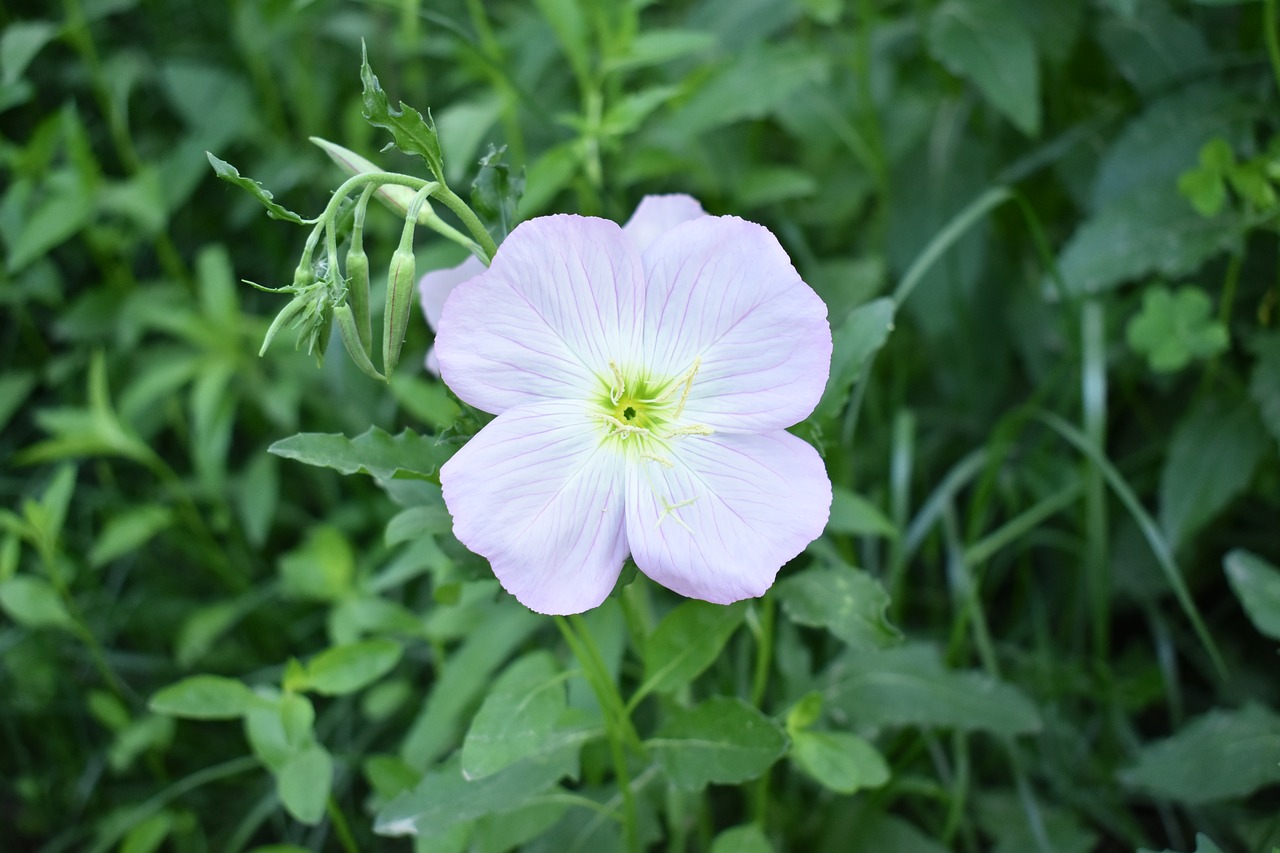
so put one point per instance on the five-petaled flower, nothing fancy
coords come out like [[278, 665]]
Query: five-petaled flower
[[643, 379]]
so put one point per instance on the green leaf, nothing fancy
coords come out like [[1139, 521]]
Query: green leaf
[[303, 783], [985, 41], [129, 531], [1219, 756], [496, 193], [373, 452], [322, 568], [861, 334], [1149, 231], [855, 515], [14, 389], [34, 603], [747, 838], [205, 697], [426, 401], [149, 834], [417, 521], [348, 668], [19, 44], [1153, 47], [412, 133], [1175, 327], [843, 762], [724, 741], [908, 686], [847, 602], [1206, 191], [1156, 146], [1211, 461], [1264, 384], [445, 798], [1257, 584], [656, 46], [570, 26], [686, 642], [517, 718], [229, 173], [62, 210]]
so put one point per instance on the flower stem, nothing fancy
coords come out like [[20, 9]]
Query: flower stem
[[469, 219], [617, 723]]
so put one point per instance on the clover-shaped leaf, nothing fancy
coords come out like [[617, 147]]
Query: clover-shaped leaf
[[1175, 327], [1205, 185]]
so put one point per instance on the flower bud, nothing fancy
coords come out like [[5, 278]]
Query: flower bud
[[347, 328], [358, 293], [400, 290]]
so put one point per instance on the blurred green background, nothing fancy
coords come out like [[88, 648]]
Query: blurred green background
[[1058, 472]]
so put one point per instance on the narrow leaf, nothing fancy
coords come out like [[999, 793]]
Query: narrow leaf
[[205, 697], [373, 452], [1257, 584], [229, 173]]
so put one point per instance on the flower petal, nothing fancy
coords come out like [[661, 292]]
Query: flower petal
[[559, 301], [657, 214], [434, 288], [722, 294], [538, 495], [727, 514]]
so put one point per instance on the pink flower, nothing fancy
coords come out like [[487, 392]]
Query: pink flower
[[654, 214], [642, 397]]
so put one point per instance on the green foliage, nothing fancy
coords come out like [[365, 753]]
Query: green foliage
[[1045, 232]]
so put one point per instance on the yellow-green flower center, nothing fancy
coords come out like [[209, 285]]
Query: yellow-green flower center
[[639, 413]]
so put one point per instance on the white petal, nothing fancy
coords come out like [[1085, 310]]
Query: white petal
[[722, 294], [558, 303], [538, 494], [434, 288], [727, 514], [657, 214]]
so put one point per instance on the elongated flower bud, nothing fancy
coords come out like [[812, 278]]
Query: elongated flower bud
[[358, 295], [400, 287], [357, 349]]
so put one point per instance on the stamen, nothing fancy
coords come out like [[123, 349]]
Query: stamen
[[661, 460], [688, 386], [620, 384], [619, 426], [669, 508], [690, 429]]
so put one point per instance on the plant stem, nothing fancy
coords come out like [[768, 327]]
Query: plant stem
[[340, 826], [469, 219], [617, 723]]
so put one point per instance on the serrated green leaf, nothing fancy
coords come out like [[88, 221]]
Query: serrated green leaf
[[847, 602], [908, 686], [34, 603], [1211, 460], [205, 697], [303, 783], [723, 740], [1219, 756], [1149, 231], [985, 41], [348, 668], [374, 452], [229, 173], [843, 762], [412, 133], [1257, 584], [1175, 327], [686, 642], [517, 717]]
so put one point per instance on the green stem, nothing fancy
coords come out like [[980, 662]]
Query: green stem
[[617, 723], [340, 826], [1269, 24], [764, 651], [469, 219]]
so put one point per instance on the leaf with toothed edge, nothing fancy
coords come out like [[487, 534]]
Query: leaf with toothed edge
[[374, 452], [231, 174], [412, 133]]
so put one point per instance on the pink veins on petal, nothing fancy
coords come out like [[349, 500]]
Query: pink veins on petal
[[643, 379]]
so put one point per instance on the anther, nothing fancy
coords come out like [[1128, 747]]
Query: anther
[[620, 384]]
